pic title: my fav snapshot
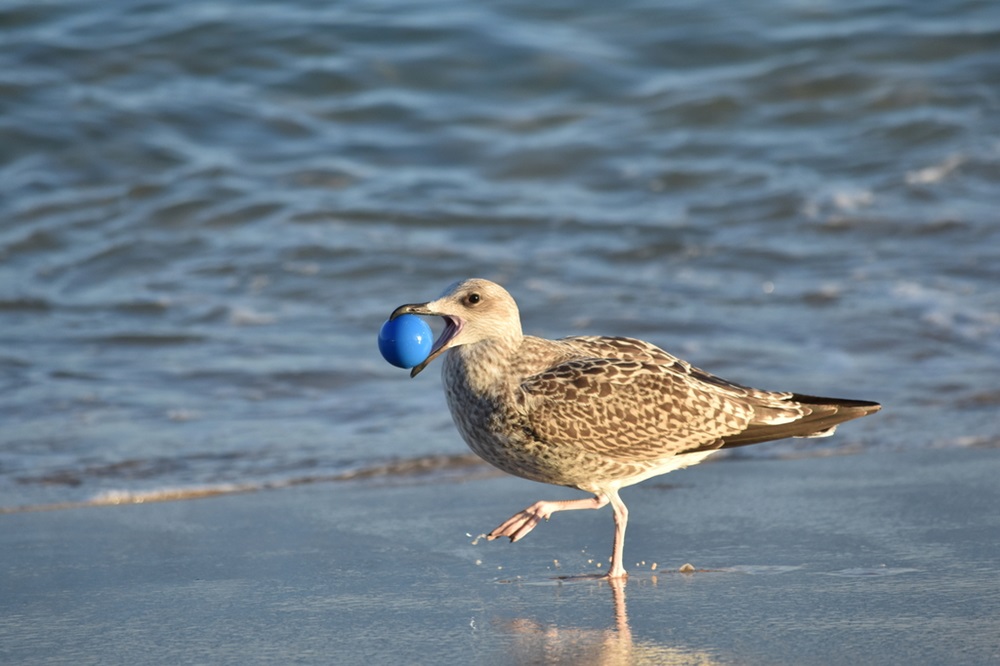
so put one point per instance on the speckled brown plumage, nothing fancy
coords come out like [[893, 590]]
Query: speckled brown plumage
[[595, 413]]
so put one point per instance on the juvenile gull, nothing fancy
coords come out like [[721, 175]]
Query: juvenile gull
[[595, 413]]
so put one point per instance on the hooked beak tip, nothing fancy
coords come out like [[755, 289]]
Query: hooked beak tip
[[409, 308]]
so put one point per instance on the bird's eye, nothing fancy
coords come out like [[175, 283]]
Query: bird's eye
[[472, 299]]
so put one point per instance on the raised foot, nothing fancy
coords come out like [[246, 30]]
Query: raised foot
[[522, 522], [518, 525]]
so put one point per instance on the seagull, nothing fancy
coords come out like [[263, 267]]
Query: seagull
[[594, 413]]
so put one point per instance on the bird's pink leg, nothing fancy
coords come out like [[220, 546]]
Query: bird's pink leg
[[518, 525], [617, 570]]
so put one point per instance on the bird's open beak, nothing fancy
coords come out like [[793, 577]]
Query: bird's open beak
[[452, 327]]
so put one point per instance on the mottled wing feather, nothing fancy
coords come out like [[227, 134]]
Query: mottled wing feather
[[629, 411], [633, 349], [631, 401]]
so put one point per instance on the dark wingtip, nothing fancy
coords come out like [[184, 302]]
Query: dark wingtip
[[864, 406]]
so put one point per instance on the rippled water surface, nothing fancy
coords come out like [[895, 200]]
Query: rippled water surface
[[207, 210]]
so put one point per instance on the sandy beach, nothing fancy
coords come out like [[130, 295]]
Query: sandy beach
[[874, 558]]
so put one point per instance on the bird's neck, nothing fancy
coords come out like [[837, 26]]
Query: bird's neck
[[484, 366]]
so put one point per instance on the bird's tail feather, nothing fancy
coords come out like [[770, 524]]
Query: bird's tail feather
[[824, 415]]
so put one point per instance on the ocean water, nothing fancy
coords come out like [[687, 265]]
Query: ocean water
[[208, 209]]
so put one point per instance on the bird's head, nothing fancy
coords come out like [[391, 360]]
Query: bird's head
[[474, 310]]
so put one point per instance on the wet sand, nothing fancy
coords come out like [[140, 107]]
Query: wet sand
[[875, 558]]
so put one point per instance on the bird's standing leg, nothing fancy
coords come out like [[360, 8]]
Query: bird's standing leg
[[617, 570], [518, 525]]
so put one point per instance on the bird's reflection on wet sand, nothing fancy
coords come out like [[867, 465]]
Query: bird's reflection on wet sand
[[539, 642]]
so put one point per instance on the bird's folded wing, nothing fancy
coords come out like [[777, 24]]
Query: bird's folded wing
[[637, 410]]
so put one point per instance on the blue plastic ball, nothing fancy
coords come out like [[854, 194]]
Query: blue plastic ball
[[405, 341]]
